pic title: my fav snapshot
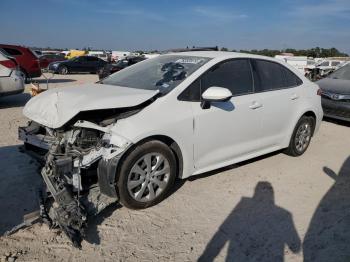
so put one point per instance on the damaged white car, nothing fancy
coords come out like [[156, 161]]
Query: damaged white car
[[128, 137]]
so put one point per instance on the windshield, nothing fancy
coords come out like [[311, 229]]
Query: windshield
[[162, 73], [341, 73]]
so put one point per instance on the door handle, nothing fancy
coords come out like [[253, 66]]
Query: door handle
[[294, 97], [255, 105]]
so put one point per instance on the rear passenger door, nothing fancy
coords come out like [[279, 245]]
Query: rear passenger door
[[279, 91]]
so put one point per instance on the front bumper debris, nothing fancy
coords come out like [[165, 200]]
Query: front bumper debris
[[79, 175]]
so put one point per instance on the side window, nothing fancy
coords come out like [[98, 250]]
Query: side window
[[81, 59], [291, 79], [335, 63], [191, 93], [234, 75], [91, 58], [268, 76], [12, 51]]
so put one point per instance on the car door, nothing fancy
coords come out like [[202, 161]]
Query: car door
[[76, 64], [227, 130], [91, 64], [280, 92]]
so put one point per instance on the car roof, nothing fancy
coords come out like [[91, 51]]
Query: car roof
[[221, 54]]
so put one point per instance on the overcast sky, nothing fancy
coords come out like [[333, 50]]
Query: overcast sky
[[164, 24]]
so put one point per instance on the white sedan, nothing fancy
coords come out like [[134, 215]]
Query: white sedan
[[11, 80], [173, 116]]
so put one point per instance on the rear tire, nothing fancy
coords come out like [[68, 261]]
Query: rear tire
[[147, 175], [25, 76], [301, 136], [63, 70]]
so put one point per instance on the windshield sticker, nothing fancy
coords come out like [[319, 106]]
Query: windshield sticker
[[194, 61]]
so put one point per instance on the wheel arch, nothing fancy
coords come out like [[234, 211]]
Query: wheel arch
[[171, 143], [309, 113], [313, 115]]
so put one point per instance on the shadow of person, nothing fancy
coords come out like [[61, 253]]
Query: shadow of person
[[256, 230], [328, 235]]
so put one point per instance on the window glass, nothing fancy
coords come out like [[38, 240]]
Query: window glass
[[234, 75], [91, 58], [325, 63], [191, 93], [269, 76], [335, 63], [12, 51], [342, 73], [290, 78], [162, 73]]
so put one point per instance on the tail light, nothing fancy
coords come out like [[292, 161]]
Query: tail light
[[319, 92], [8, 63]]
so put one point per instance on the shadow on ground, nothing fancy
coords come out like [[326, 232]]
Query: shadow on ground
[[14, 100], [337, 122], [255, 230], [328, 235], [19, 179], [53, 81]]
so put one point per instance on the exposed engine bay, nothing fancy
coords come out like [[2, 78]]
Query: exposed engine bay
[[79, 167]]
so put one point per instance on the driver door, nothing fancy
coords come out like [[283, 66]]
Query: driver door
[[227, 130]]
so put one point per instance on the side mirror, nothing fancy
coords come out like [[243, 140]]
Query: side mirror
[[215, 94]]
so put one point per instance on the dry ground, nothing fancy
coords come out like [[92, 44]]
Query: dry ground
[[265, 209]]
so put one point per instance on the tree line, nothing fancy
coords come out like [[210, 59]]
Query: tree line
[[312, 52]]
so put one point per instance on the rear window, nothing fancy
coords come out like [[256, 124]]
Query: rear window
[[269, 75], [12, 51], [273, 76], [290, 78]]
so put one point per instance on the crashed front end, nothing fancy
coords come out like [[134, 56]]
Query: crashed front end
[[79, 171]]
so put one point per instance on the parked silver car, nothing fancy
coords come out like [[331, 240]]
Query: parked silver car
[[11, 80]]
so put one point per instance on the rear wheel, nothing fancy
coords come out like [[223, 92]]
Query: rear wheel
[[146, 176], [63, 70], [25, 76], [301, 137]]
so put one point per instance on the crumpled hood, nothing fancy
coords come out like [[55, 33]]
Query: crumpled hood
[[338, 86], [55, 107]]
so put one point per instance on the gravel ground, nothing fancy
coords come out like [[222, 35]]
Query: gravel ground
[[273, 208]]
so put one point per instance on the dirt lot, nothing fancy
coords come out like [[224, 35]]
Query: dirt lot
[[268, 209]]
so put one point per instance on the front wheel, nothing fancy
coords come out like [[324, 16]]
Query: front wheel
[[301, 136], [146, 176]]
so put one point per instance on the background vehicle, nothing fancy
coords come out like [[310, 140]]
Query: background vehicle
[[336, 93], [119, 65], [28, 62], [119, 55], [328, 66], [100, 54], [302, 63], [46, 59], [11, 80], [74, 53], [79, 64], [176, 115]]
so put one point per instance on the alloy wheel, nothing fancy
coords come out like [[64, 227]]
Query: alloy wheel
[[148, 177], [303, 137]]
